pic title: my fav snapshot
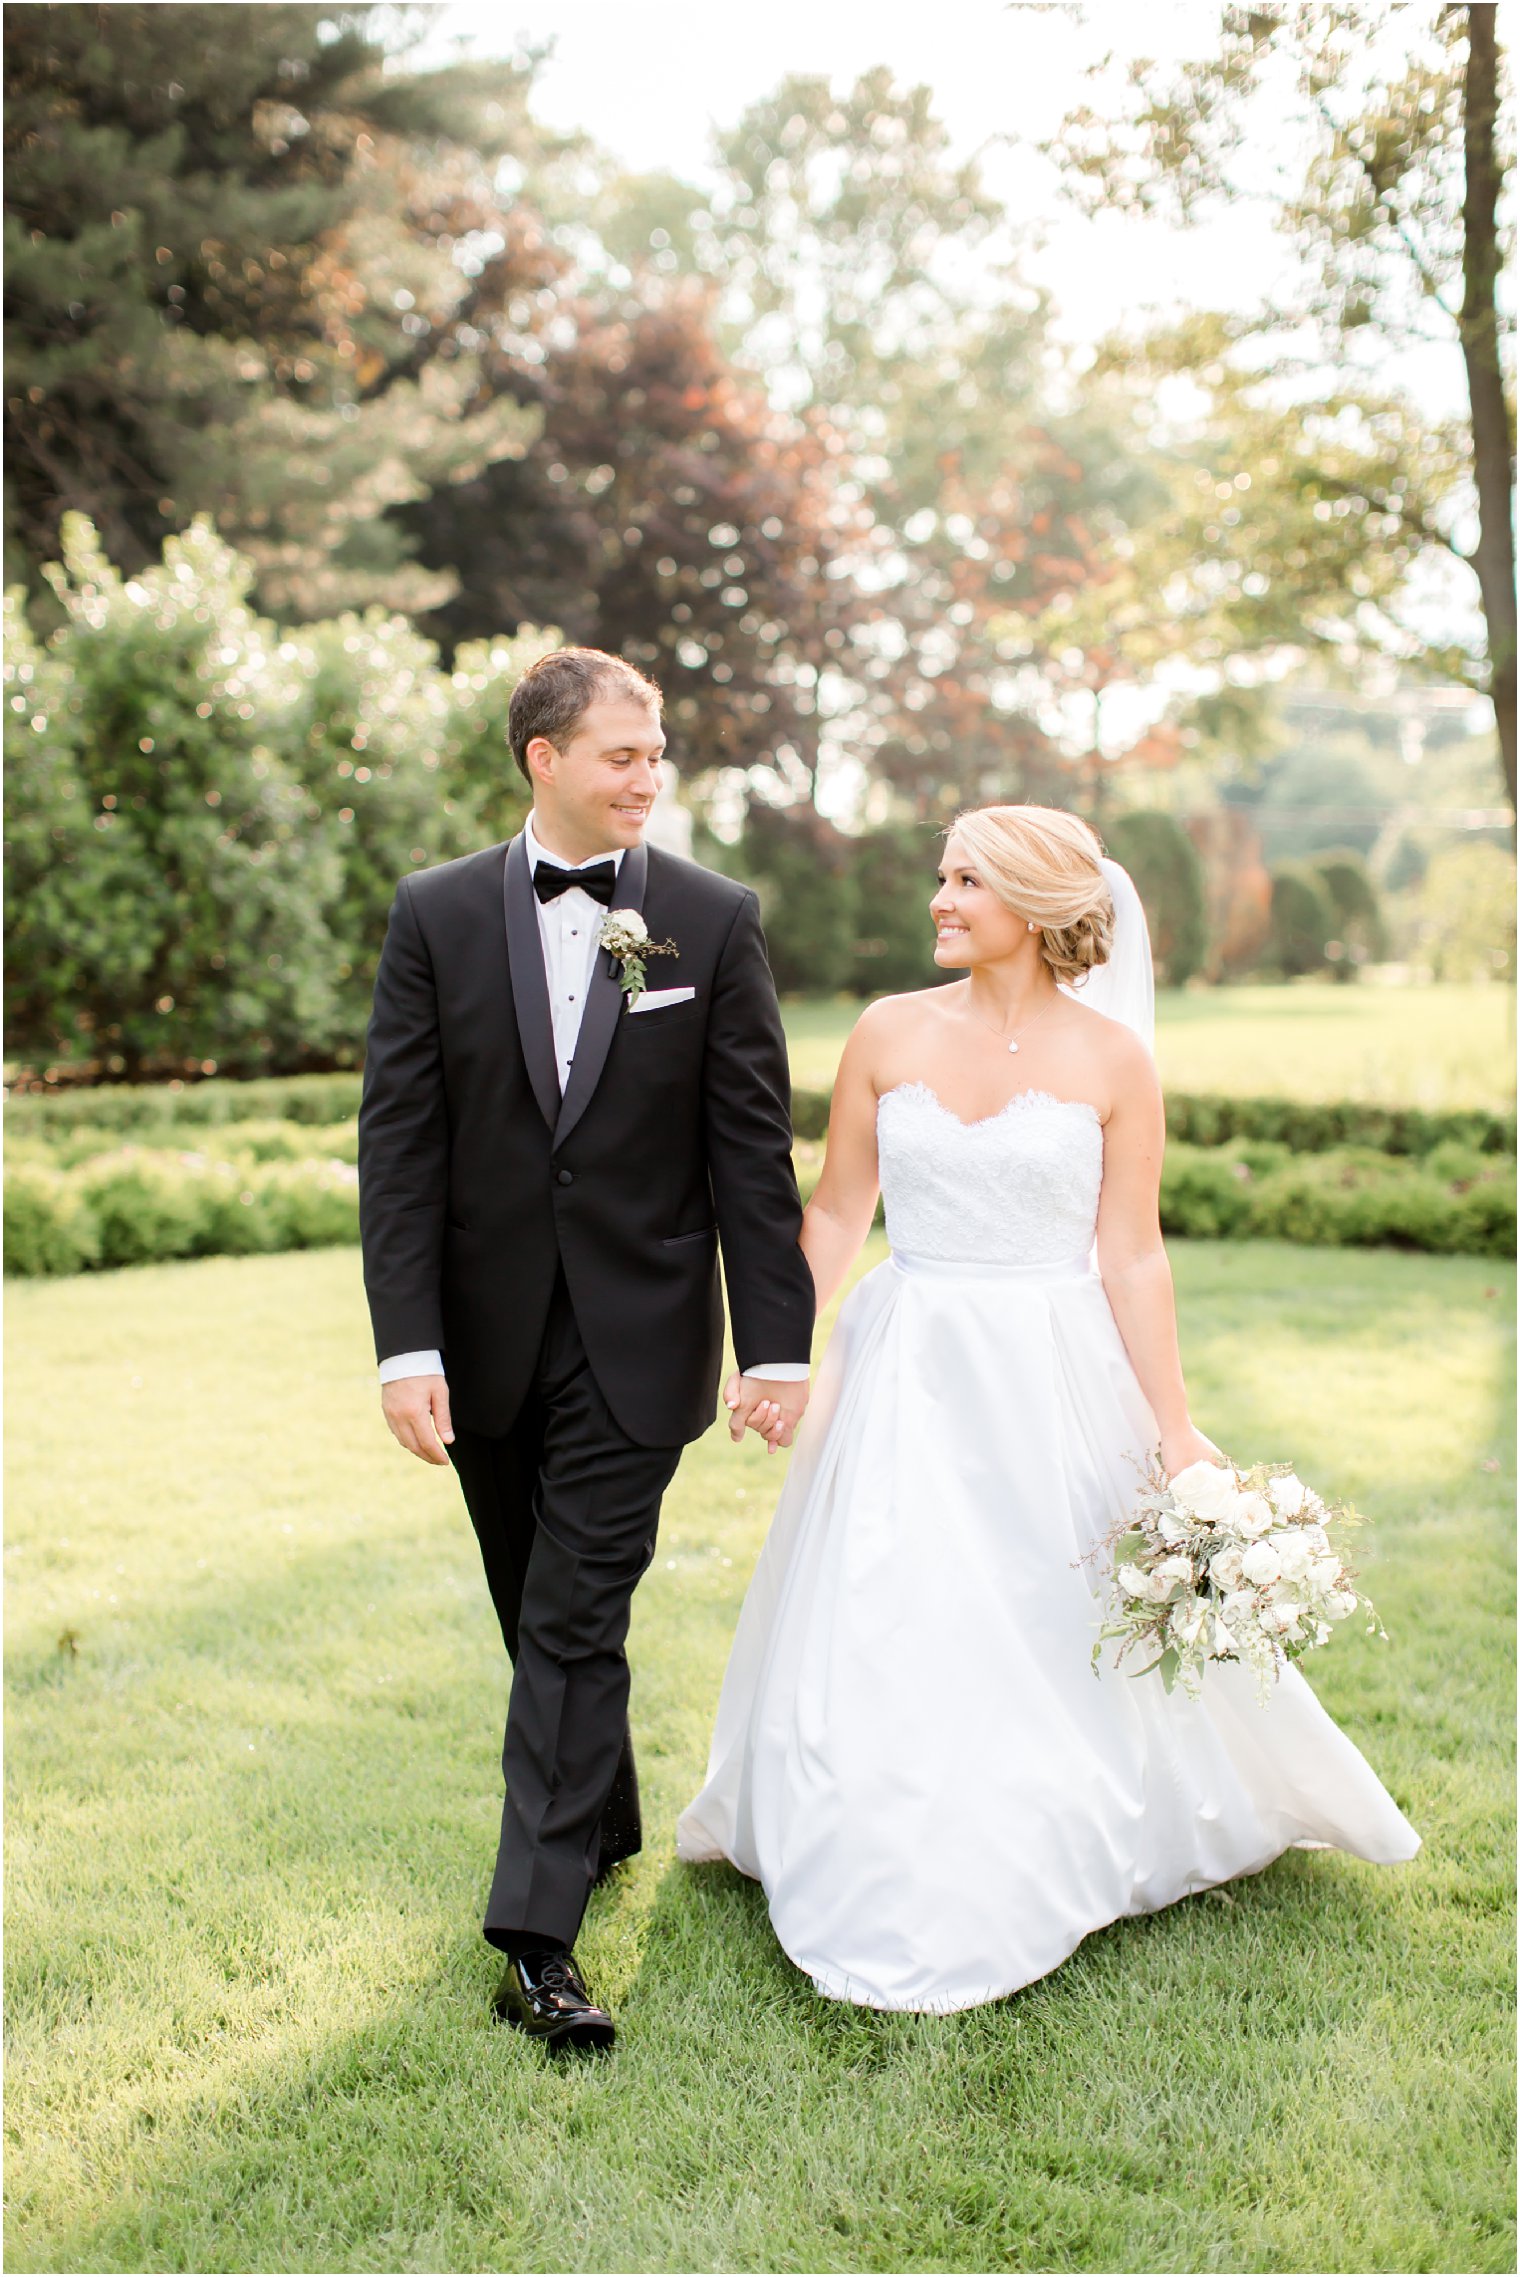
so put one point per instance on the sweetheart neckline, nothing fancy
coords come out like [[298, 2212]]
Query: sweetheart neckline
[[1020, 1098]]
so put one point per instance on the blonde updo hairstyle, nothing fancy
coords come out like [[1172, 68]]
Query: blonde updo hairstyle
[[1042, 863]]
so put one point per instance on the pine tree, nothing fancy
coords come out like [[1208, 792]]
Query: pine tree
[[248, 272]]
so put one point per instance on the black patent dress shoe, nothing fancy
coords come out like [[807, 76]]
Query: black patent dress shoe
[[542, 1994]]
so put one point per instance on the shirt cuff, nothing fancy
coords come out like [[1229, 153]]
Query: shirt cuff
[[410, 1364], [782, 1372]]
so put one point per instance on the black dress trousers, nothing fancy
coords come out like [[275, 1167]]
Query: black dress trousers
[[566, 1508]]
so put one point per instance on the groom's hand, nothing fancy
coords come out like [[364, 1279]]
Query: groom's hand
[[417, 1410], [761, 1404]]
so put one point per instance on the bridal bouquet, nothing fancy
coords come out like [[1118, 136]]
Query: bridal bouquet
[[1222, 1564]]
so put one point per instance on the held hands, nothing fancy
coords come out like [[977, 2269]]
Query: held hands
[[417, 1410], [758, 1403]]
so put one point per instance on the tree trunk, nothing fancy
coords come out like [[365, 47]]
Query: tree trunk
[[1493, 443]]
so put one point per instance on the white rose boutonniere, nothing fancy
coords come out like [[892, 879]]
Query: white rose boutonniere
[[625, 937]]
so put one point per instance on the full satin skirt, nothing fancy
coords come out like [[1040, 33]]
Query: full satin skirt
[[912, 1753]]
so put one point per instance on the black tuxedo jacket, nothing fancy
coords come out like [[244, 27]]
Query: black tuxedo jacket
[[477, 1181]]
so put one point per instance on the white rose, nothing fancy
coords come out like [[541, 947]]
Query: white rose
[[629, 922], [1324, 1573], [1224, 1570], [1205, 1490], [1171, 1529], [1240, 1605], [1293, 1556], [1261, 1564], [1172, 1570], [1252, 1514], [1316, 1537], [1283, 1617], [1187, 1618], [1287, 1494], [1339, 1603], [1133, 1581]]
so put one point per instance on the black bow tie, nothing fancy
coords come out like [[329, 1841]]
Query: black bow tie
[[600, 881]]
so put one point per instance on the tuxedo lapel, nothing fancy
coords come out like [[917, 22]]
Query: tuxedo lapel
[[604, 1001], [530, 985]]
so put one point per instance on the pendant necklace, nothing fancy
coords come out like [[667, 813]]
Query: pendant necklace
[[1013, 1041]]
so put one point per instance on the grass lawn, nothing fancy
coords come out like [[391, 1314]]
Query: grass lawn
[[1412, 1047], [254, 1717]]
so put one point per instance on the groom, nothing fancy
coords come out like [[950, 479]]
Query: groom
[[552, 1149]]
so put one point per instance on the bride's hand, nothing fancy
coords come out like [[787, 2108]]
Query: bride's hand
[[1180, 1448]]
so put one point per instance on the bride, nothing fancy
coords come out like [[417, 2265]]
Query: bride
[[912, 1753]]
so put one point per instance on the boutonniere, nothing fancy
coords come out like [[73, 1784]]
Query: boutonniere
[[625, 937]]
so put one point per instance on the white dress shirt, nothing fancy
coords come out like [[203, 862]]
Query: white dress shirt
[[569, 928]]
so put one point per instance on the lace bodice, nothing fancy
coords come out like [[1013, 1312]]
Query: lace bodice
[[1018, 1188]]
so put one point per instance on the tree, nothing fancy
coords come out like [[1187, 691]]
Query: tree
[[869, 276], [1360, 936], [809, 897], [1397, 213], [248, 271], [1302, 920], [1168, 875], [1467, 913], [894, 877], [665, 512]]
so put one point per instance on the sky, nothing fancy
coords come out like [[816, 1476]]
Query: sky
[[649, 79]]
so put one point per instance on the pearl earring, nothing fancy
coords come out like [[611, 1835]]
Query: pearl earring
[[1031, 925]]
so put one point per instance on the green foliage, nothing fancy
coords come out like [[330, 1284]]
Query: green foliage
[[1360, 934], [137, 1108], [207, 817], [139, 1205], [240, 282], [809, 899], [1302, 920], [1467, 913], [1396, 219], [1306, 1126], [171, 903], [1168, 875], [893, 872], [208, 1174], [1346, 1197]]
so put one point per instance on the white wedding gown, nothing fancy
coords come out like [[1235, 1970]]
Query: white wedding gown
[[912, 1752]]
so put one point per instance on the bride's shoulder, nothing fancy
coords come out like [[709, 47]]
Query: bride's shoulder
[[1115, 1046], [888, 1018]]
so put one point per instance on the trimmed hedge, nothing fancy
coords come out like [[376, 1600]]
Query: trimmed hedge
[[1198, 1118], [139, 1107], [1456, 1200], [142, 1206], [1304, 1126]]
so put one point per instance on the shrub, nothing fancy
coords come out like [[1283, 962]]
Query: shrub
[[138, 1206], [1302, 920], [894, 882], [1360, 935], [145, 1107], [802, 868], [207, 816], [1169, 878], [1467, 913], [167, 890], [48, 1225]]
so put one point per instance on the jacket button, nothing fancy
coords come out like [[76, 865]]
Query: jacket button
[[565, 1177]]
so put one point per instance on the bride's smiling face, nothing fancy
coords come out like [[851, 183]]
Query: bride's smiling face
[[971, 925]]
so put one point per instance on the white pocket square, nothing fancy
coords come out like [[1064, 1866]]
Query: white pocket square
[[656, 999]]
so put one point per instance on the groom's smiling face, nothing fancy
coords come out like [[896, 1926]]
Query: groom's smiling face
[[594, 794]]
